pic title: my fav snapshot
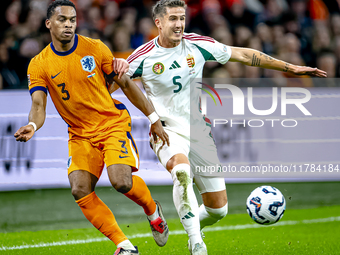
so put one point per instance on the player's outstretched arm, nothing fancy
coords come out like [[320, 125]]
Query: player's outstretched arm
[[253, 57], [36, 117], [137, 98]]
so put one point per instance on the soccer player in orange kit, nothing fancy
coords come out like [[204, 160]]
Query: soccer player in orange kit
[[75, 70]]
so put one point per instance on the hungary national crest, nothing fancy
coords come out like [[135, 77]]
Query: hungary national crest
[[158, 68], [88, 63], [190, 60]]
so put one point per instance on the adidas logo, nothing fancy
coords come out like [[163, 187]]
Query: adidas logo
[[174, 65], [188, 216]]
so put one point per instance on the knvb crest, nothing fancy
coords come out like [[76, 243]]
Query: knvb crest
[[88, 63]]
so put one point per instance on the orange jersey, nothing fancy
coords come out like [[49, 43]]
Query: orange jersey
[[75, 80]]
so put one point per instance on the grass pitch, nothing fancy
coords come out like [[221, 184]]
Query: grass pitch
[[49, 222]]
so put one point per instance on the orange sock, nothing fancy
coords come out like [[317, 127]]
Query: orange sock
[[101, 217], [141, 195]]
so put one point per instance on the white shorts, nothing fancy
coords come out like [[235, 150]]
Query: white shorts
[[206, 184], [200, 153], [178, 144]]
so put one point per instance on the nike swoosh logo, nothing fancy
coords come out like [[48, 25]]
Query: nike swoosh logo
[[123, 156], [55, 75]]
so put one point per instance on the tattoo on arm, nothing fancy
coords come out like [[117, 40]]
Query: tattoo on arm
[[286, 67], [255, 61], [267, 57]]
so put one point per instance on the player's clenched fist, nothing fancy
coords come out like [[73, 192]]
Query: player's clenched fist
[[24, 133]]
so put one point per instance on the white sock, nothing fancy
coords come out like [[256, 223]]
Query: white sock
[[127, 245], [185, 202], [155, 215], [209, 216]]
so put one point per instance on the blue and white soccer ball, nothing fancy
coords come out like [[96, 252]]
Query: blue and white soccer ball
[[266, 205]]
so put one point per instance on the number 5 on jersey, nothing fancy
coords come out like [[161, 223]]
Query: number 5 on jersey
[[175, 82]]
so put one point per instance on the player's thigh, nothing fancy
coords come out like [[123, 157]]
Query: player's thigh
[[203, 154], [212, 190], [178, 145], [120, 177], [83, 155], [82, 183], [119, 148]]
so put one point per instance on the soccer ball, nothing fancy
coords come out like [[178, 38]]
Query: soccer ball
[[266, 205]]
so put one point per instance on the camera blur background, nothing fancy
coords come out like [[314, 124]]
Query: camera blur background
[[35, 194], [303, 32]]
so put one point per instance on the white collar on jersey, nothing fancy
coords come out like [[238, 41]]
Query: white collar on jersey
[[168, 49]]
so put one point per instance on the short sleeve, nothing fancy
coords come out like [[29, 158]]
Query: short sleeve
[[107, 60], [136, 68], [35, 76], [136, 62], [221, 52], [211, 49]]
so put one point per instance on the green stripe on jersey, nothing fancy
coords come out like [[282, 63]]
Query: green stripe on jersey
[[139, 70], [206, 54]]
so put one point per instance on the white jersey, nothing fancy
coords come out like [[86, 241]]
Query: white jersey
[[166, 73]]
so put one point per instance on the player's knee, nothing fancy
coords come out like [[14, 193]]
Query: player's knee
[[80, 192], [181, 172], [123, 187], [218, 213]]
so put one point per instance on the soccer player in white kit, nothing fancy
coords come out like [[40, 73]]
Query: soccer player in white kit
[[165, 66]]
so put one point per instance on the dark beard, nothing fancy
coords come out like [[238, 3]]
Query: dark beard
[[65, 41]]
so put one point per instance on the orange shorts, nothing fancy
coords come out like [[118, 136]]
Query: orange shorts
[[90, 154]]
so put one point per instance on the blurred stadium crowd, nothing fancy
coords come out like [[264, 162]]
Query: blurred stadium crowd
[[302, 32]]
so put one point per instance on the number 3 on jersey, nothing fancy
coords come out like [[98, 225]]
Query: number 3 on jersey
[[64, 91], [177, 84]]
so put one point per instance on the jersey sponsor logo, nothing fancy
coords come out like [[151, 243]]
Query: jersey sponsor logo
[[225, 48], [55, 75], [158, 68], [174, 65], [29, 79], [88, 63], [190, 61]]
